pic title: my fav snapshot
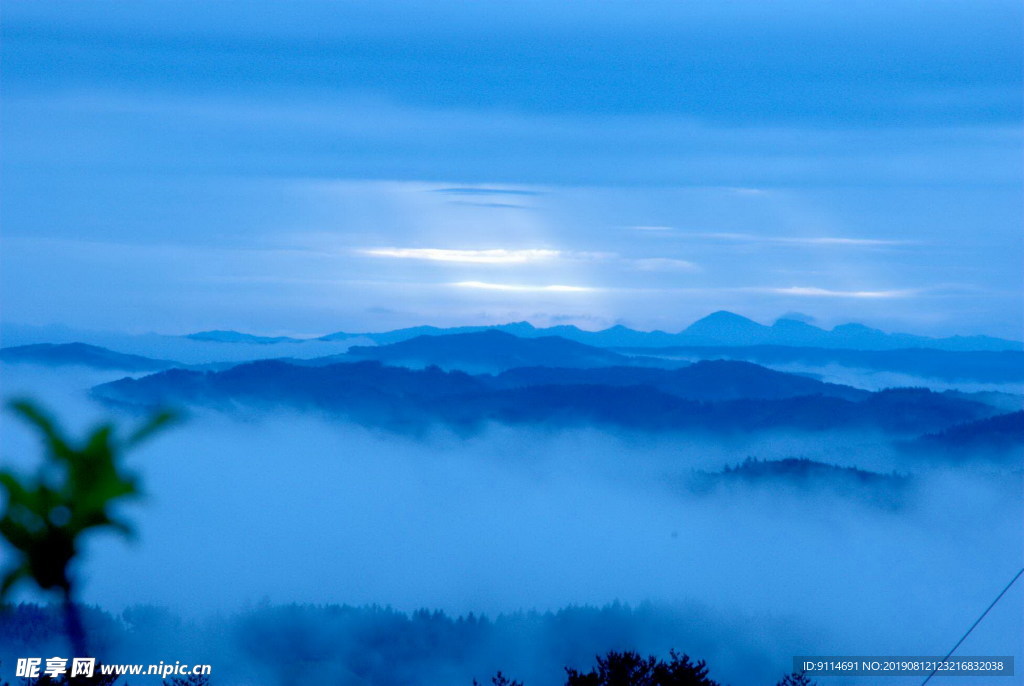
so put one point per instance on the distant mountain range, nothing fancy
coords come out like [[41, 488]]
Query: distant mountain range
[[484, 351], [493, 351], [487, 350], [404, 399], [543, 381], [83, 355], [717, 329], [985, 366]]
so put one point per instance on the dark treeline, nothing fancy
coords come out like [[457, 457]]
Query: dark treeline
[[629, 668], [333, 644], [891, 491]]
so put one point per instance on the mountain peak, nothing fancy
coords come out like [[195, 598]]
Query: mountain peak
[[517, 327], [725, 316], [726, 327]]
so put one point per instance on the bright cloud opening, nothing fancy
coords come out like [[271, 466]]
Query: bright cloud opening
[[496, 256], [523, 287]]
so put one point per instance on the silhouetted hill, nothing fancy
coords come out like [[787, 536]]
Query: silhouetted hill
[[793, 468], [1004, 366], [997, 434], [364, 391], [889, 490], [521, 329], [709, 380], [397, 397], [81, 354], [238, 337], [1003, 402], [904, 408], [725, 326], [488, 350]]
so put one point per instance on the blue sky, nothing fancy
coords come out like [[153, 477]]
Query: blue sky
[[313, 167]]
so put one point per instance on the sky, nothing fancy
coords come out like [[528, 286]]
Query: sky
[[305, 168]]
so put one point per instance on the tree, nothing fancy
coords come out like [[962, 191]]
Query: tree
[[500, 679], [630, 669], [46, 516], [796, 679]]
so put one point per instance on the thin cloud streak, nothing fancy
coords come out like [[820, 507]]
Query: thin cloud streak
[[827, 293], [800, 291], [801, 240], [655, 264], [497, 256], [486, 190], [839, 240], [528, 256], [523, 288]]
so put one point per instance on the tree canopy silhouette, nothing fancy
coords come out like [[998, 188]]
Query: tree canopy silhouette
[[796, 679], [631, 669]]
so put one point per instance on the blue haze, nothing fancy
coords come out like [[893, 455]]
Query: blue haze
[[307, 168]]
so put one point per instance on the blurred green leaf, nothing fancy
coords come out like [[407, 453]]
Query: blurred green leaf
[[74, 491]]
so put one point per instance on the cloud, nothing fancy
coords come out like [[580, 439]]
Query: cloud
[[525, 256], [800, 240], [491, 205], [747, 191], [800, 291], [496, 256], [838, 240], [652, 264], [798, 317], [651, 228], [813, 292], [485, 190], [523, 288]]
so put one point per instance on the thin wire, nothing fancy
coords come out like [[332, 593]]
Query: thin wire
[[976, 623]]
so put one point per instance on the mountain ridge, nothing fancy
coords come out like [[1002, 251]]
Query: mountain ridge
[[718, 328], [372, 393], [82, 354]]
